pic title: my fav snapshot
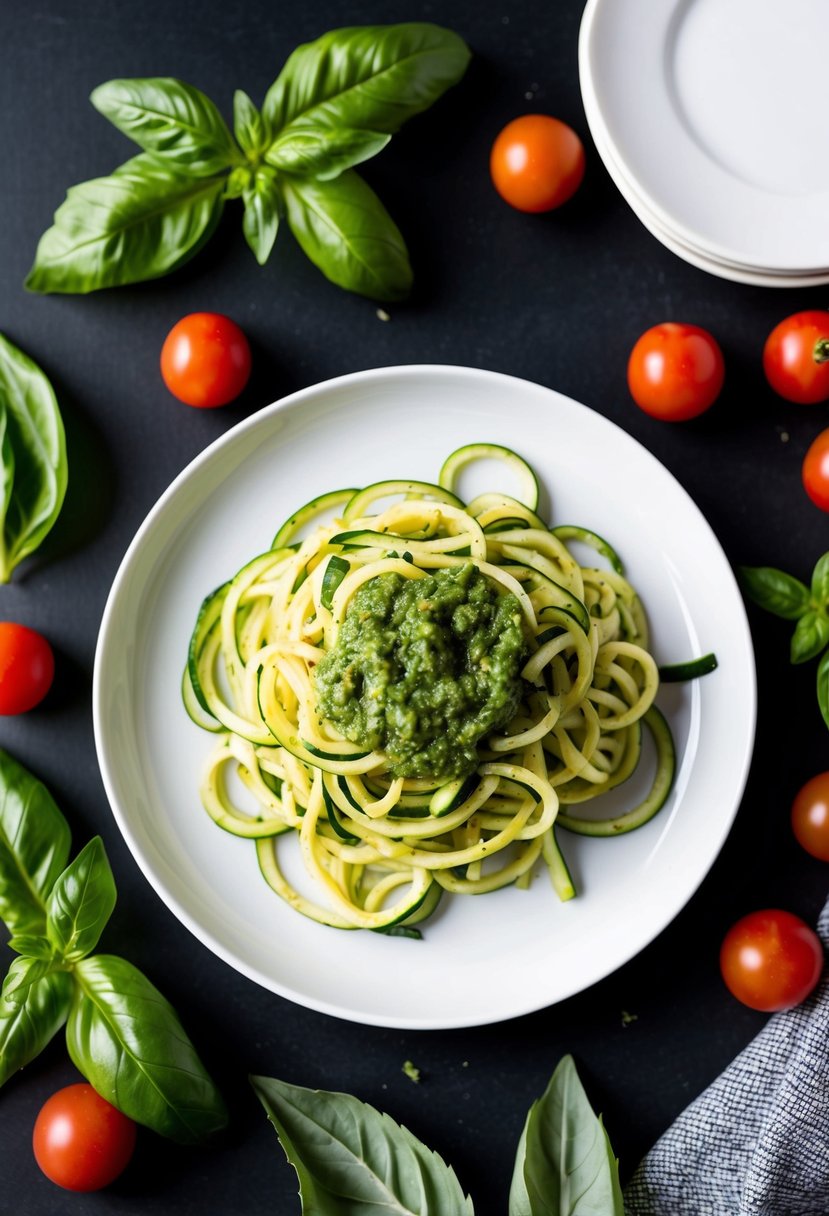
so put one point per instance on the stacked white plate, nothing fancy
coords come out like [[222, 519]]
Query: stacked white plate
[[709, 116]]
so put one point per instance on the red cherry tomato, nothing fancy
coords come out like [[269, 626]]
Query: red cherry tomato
[[796, 357], [810, 816], [815, 471], [675, 371], [771, 960], [205, 360], [537, 163], [27, 668], [80, 1141]]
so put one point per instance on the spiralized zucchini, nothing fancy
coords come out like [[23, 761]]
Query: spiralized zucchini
[[381, 849]]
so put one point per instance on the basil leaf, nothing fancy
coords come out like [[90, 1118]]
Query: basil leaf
[[240, 180], [33, 945], [34, 848], [33, 453], [172, 119], [820, 581], [823, 686], [249, 126], [81, 902], [318, 152], [810, 636], [27, 1028], [775, 591], [372, 77], [519, 1197], [22, 974], [128, 1042], [347, 233], [352, 1159], [139, 223], [261, 219], [564, 1165]]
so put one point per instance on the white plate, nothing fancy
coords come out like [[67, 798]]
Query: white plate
[[668, 237], [483, 959], [710, 106]]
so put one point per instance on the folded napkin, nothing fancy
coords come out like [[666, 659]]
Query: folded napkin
[[756, 1142]]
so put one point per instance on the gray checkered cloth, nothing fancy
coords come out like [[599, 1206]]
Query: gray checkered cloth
[[756, 1142]]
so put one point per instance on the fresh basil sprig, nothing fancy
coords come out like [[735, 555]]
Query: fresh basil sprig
[[336, 103], [122, 1035], [33, 465], [787, 597], [352, 1160]]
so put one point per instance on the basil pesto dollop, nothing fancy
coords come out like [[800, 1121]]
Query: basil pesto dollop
[[425, 668]]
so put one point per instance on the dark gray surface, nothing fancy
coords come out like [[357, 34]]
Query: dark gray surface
[[558, 299]]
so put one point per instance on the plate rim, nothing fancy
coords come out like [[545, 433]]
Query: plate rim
[[685, 232], [670, 238]]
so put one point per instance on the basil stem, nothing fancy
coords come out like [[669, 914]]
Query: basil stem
[[142, 221], [775, 591], [565, 1164], [350, 1157], [171, 119], [32, 457], [347, 233], [128, 1042]]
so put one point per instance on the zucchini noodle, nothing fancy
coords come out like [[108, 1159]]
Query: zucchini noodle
[[381, 847]]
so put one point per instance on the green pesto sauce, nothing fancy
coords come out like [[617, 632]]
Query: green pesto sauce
[[423, 669]]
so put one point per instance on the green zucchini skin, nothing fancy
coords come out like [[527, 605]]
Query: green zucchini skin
[[323, 504], [471, 452], [651, 805], [676, 673], [567, 532], [356, 506]]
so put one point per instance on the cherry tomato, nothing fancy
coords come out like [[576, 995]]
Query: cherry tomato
[[796, 357], [675, 371], [80, 1141], [815, 471], [205, 360], [771, 960], [810, 816], [27, 668], [537, 163]]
